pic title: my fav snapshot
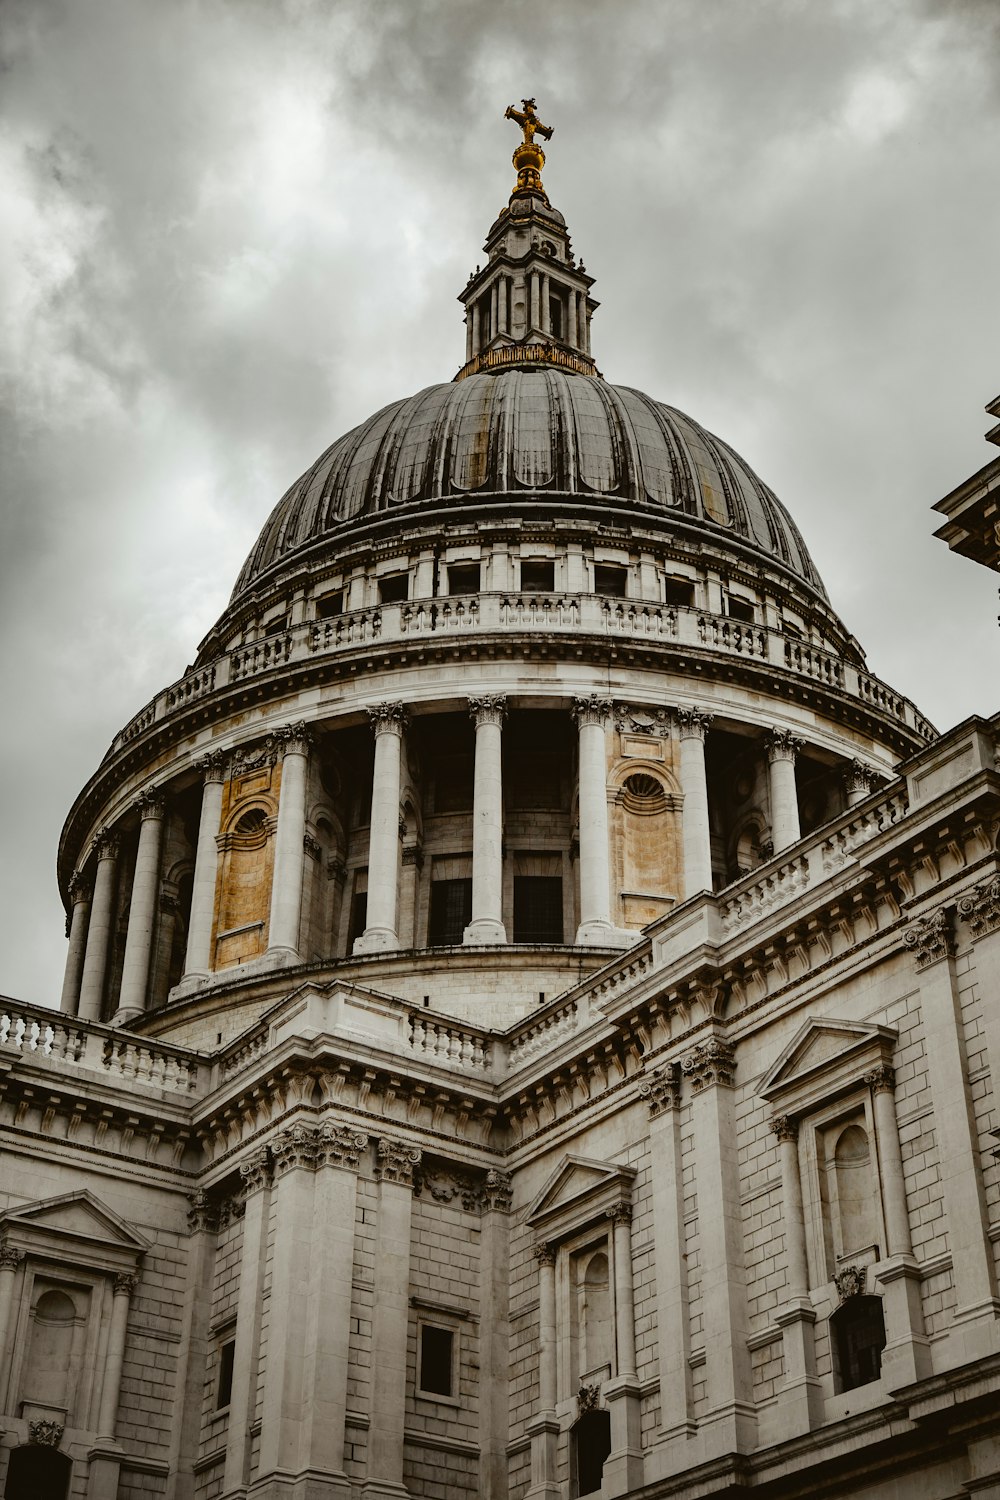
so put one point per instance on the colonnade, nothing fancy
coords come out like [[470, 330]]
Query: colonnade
[[491, 314], [93, 912]]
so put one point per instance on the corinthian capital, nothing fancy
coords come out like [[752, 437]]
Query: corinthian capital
[[931, 938], [981, 907], [10, 1258], [489, 710], [693, 723], [395, 1161], [125, 1283], [293, 739], [882, 1080], [79, 888], [387, 718], [592, 710], [661, 1089], [106, 844], [710, 1062], [256, 1170], [785, 1128], [150, 804], [782, 744], [858, 778], [212, 766]]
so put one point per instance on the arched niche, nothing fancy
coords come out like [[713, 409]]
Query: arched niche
[[244, 890], [647, 840]]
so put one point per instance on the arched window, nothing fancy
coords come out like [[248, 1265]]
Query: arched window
[[37, 1473], [591, 1445], [857, 1331]]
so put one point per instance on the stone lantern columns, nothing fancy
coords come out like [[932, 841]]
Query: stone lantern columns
[[782, 749], [198, 960], [388, 721], [487, 926], [289, 849], [142, 911], [80, 894], [694, 726], [99, 932], [595, 869]]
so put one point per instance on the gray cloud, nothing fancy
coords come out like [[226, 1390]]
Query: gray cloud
[[230, 231]]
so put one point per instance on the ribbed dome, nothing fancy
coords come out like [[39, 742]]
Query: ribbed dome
[[535, 437]]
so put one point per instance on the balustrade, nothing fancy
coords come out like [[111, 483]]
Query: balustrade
[[45, 1034]]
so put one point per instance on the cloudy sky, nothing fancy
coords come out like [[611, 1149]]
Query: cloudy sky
[[232, 230]]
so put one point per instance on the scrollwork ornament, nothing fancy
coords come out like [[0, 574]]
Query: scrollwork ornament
[[339, 1146], [46, 1433], [980, 908], [633, 719], [254, 757], [661, 1090], [850, 1282], [930, 938], [294, 1147]]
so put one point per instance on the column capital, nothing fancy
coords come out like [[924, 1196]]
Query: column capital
[[619, 1213], [785, 1127], [498, 1192], [150, 804], [79, 888], [488, 710], [693, 723], [858, 778], [711, 1062], [10, 1258], [931, 937], [106, 844], [203, 1213], [312, 846], [336, 869], [125, 1283], [294, 1147], [661, 1089], [387, 718], [212, 766], [592, 710], [545, 1253], [396, 1161], [782, 744], [339, 1146], [293, 739], [980, 907], [255, 1172], [882, 1080]]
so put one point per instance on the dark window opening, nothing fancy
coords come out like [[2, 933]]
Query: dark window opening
[[436, 1360], [591, 1447], [451, 912], [610, 579], [454, 783], [463, 578], [680, 592], [739, 609], [555, 317], [330, 606], [276, 627], [792, 631], [224, 1392], [537, 576], [538, 909], [37, 1473], [858, 1329], [359, 918], [394, 588]]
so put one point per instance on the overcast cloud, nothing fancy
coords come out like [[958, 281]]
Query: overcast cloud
[[231, 231]]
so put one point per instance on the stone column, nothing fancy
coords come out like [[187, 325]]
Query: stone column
[[533, 322], [544, 294], [477, 342], [192, 1351], [468, 334], [858, 782], [494, 1339], [10, 1259], [503, 325], [255, 1175], [289, 848], [907, 1354], [198, 960], [388, 720], [395, 1164], [543, 1427], [494, 309], [80, 895], [487, 926], [729, 1423], [661, 1090], [694, 726], [133, 994], [801, 1391], [124, 1285], [595, 866], [99, 931], [623, 1469], [931, 940], [572, 335], [782, 749]]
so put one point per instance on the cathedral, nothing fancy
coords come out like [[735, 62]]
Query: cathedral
[[530, 1024]]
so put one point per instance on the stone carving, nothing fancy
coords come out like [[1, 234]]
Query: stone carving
[[231, 1209], [592, 710], [339, 1146], [661, 1089], [633, 719], [413, 854], [312, 846], [395, 1161], [782, 744], [620, 1213], [588, 1398], [785, 1128], [387, 718], [693, 723], [930, 937], [444, 1187], [488, 710], [106, 844], [125, 1283], [881, 1080], [79, 888], [858, 778], [253, 757], [545, 1253], [169, 903], [212, 766], [47, 1433], [850, 1282], [203, 1213], [292, 739], [497, 1192], [981, 907], [256, 1170], [294, 1147], [336, 869], [150, 804], [10, 1258], [710, 1062]]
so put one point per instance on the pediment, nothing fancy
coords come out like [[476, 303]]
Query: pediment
[[79, 1220], [830, 1050], [578, 1191]]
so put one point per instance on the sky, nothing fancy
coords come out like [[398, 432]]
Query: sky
[[231, 231]]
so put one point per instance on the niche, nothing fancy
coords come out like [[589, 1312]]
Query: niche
[[53, 1349], [849, 1191], [595, 1328], [245, 888]]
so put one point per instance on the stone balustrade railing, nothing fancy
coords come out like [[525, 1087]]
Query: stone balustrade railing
[[539, 1033], [450, 1043], [35, 1031], [498, 613]]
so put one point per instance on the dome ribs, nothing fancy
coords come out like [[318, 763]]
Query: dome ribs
[[599, 415]]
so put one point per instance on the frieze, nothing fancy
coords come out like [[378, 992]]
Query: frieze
[[980, 908], [931, 937], [395, 1161], [254, 757], [231, 1210], [711, 1062], [446, 1186], [293, 739]]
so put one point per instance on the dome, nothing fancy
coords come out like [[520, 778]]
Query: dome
[[537, 440]]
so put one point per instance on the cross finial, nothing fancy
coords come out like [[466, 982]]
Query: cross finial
[[529, 158], [528, 121]]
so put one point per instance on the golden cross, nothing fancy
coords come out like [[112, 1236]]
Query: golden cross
[[529, 121]]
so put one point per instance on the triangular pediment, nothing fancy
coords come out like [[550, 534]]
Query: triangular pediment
[[578, 1188], [824, 1045], [77, 1216]]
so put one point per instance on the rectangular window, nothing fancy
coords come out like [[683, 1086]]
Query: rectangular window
[[538, 576], [610, 579], [680, 592], [538, 909], [394, 588], [330, 605], [739, 609], [556, 317], [359, 918], [276, 627], [436, 1361], [463, 578], [224, 1389], [451, 912]]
